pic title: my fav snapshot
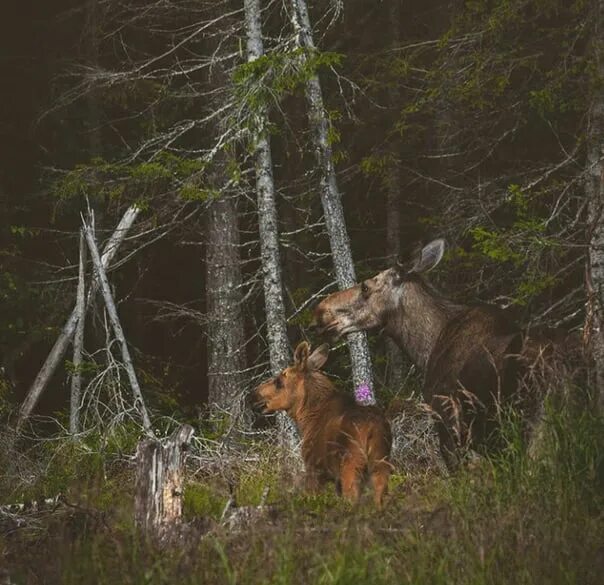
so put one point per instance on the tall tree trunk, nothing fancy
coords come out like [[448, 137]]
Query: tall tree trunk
[[276, 324], [226, 351], [224, 298], [78, 342], [594, 188], [330, 197], [267, 212], [394, 377]]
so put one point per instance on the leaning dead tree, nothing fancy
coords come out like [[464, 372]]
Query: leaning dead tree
[[78, 341], [117, 327], [62, 343], [393, 194], [160, 467], [331, 199]]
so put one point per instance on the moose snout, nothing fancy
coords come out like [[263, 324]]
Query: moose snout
[[328, 321], [322, 316], [255, 400]]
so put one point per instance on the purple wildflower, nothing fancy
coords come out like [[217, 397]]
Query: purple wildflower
[[363, 394]]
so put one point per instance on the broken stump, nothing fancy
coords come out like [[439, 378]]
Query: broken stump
[[160, 469]]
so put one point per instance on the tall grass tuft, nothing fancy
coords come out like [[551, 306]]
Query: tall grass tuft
[[517, 516]]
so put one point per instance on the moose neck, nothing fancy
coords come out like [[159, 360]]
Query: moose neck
[[419, 319], [318, 391]]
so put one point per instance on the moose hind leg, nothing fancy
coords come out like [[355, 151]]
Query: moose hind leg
[[379, 481], [351, 472]]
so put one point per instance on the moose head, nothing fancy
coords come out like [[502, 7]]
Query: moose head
[[396, 299], [287, 391]]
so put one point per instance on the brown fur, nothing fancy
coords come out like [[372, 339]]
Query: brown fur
[[341, 440], [472, 356]]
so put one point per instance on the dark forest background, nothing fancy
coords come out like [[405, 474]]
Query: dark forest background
[[463, 120], [477, 121]]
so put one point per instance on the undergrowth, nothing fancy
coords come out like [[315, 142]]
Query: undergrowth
[[506, 518]]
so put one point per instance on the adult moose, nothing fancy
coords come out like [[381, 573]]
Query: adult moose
[[473, 356]]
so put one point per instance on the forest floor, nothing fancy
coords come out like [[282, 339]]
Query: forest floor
[[507, 518]]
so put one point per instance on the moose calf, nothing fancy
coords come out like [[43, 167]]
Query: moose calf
[[341, 440]]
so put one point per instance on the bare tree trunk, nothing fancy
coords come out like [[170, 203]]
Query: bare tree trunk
[[594, 188], [332, 201], [160, 482], [117, 327], [225, 330], [276, 323], [267, 213], [60, 347], [78, 342], [394, 355], [226, 351]]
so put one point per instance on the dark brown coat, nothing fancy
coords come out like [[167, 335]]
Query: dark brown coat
[[472, 356]]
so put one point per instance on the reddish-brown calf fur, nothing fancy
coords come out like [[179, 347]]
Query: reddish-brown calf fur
[[341, 440]]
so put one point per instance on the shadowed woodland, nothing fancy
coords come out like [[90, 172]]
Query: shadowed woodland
[[184, 182]]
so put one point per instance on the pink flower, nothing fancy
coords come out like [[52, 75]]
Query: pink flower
[[363, 394]]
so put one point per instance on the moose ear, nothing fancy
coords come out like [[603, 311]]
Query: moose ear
[[317, 358], [429, 257], [301, 355]]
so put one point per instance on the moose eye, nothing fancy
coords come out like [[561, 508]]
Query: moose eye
[[364, 289], [279, 383]]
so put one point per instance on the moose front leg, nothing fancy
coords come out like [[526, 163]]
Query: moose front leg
[[447, 421]]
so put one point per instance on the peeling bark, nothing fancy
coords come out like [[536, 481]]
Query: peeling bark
[[160, 478]]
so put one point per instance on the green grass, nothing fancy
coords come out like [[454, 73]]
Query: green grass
[[505, 519]]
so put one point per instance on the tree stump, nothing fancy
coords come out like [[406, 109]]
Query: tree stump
[[159, 482]]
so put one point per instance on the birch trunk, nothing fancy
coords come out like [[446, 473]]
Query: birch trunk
[[117, 327], [594, 188], [276, 323], [330, 196], [394, 377], [267, 212], [78, 342], [60, 347]]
